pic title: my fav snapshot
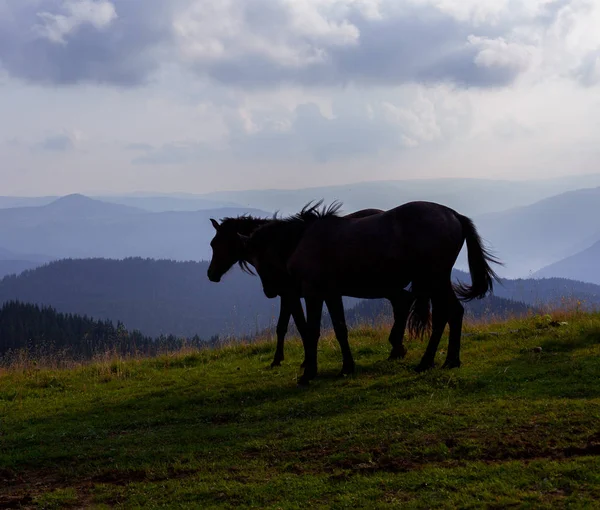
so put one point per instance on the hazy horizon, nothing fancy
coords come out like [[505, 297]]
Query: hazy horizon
[[94, 193]]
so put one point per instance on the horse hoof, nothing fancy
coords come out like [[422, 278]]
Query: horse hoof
[[275, 364], [397, 355], [423, 367], [303, 383], [451, 364], [347, 370]]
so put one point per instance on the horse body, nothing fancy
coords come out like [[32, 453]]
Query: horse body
[[228, 250], [375, 257]]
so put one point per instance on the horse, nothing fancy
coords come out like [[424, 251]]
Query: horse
[[227, 250], [320, 254]]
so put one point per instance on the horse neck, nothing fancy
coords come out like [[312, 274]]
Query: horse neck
[[286, 236]]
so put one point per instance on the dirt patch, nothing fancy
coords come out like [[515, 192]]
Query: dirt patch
[[17, 501], [20, 490], [370, 460]]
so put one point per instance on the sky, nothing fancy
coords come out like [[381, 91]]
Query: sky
[[116, 96]]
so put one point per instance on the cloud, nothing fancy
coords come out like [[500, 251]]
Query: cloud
[[588, 72], [56, 27], [321, 44], [59, 142], [67, 42], [175, 153], [137, 147], [267, 43], [350, 127]]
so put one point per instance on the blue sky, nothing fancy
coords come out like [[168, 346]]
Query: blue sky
[[196, 95]]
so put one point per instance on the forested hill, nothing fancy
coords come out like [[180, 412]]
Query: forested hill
[[46, 334], [162, 297], [372, 311], [155, 296], [549, 292]]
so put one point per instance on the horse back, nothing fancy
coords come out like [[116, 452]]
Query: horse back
[[395, 242]]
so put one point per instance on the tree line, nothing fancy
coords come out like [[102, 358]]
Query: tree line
[[42, 331]]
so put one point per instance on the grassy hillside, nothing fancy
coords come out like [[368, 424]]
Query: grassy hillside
[[217, 429]]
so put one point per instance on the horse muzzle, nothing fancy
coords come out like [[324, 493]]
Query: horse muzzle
[[213, 277], [270, 293]]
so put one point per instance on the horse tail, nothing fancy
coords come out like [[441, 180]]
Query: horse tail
[[419, 317], [482, 275]]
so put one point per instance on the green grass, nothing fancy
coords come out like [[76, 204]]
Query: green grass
[[217, 429]]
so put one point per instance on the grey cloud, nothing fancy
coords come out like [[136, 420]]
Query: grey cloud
[[420, 45], [588, 72], [56, 143], [138, 147], [125, 53], [408, 44]]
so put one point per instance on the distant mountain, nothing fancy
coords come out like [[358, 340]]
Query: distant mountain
[[168, 203], [10, 202], [15, 263], [87, 207], [11, 255], [469, 196], [8, 267], [583, 266], [529, 238], [78, 226], [71, 208]]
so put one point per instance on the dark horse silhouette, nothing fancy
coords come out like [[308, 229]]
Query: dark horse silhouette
[[227, 250], [318, 254]]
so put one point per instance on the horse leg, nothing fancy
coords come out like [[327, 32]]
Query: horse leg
[[439, 318], [401, 306], [335, 306], [295, 307], [281, 330], [455, 325], [314, 311]]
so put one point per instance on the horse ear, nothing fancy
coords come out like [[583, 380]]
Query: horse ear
[[215, 224]]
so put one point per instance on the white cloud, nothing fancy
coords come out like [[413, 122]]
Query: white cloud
[[500, 53], [287, 33]]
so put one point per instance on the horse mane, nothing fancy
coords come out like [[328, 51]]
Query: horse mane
[[245, 224], [311, 212], [287, 231]]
